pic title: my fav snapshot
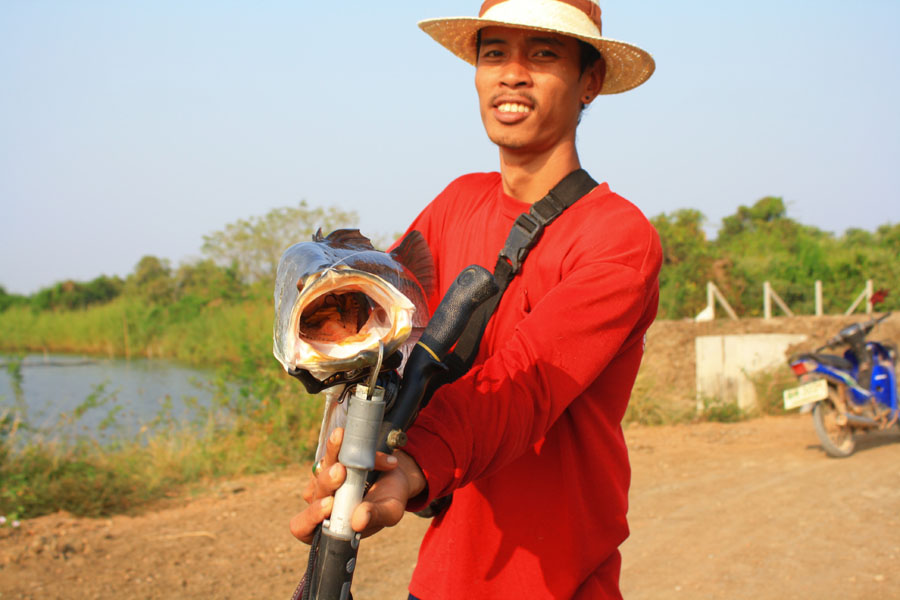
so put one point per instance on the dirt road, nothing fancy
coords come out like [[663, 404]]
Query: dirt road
[[750, 510]]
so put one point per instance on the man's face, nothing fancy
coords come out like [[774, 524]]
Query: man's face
[[530, 88]]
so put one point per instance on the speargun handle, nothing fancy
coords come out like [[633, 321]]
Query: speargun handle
[[473, 286]]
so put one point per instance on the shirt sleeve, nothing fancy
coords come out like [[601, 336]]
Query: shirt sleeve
[[503, 406]]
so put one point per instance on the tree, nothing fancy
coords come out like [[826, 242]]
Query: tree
[[151, 280], [766, 211], [207, 281], [70, 294], [256, 244], [687, 262], [7, 299], [888, 236]]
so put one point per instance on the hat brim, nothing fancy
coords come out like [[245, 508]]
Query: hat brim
[[627, 66]]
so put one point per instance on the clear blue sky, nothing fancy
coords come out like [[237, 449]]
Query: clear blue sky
[[133, 128]]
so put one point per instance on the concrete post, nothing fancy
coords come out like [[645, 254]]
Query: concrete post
[[818, 298]]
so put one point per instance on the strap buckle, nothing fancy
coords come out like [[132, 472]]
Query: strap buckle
[[525, 231]]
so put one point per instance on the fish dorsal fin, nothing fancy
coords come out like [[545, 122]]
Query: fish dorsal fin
[[414, 254], [351, 239]]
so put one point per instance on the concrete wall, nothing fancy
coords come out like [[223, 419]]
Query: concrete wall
[[724, 363]]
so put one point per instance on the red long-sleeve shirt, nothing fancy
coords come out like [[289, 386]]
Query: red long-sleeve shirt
[[530, 440]]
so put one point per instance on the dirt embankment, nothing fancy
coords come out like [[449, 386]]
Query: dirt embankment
[[669, 365], [749, 510]]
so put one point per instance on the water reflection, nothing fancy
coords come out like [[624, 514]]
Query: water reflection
[[106, 395]]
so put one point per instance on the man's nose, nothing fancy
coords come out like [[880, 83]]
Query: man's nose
[[515, 73]]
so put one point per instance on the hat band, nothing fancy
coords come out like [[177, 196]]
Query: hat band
[[589, 8]]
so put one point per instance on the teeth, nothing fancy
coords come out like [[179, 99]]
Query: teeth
[[511, 107]]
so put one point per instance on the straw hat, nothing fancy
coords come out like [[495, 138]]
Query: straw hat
[[627, 66]]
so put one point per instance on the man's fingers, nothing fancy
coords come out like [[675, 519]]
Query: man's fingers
[[328, 473], [384, 509], [303, 525], [371, 517], [385, 462], [325, 483], [384, 505], [330, 479], [333, 447], [309, 490]]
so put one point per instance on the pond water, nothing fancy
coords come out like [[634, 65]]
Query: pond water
[[114, 396]]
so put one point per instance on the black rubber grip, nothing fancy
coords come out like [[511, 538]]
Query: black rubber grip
[[473, 286], [335, 564]]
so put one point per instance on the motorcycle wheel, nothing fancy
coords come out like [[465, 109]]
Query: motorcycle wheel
[[836, 439]]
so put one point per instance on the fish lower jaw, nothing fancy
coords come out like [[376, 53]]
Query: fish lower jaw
[[332, 358]]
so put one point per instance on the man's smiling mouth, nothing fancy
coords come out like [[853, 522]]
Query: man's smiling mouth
[[512, 107]]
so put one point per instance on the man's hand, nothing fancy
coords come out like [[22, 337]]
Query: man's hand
[[383, 505]]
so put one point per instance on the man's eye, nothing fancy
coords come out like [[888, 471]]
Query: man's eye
[[545, 54], [491, 54]]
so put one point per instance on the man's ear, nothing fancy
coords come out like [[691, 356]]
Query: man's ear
[[593, 78]]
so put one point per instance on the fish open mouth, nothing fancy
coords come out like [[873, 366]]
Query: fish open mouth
[[340, 317]]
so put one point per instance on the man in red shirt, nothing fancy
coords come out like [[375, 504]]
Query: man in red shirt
[[529, 441]]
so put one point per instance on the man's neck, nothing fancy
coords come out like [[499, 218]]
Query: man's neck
[[528, 176]]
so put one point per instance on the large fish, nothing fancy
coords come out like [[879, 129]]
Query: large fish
[[337, 299]]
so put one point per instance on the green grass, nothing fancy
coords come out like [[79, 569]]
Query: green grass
[[260, 419], [649, 406], [770, 386], [269, 421], [126, 474], [87, 478], [195, 332], [721, 411]]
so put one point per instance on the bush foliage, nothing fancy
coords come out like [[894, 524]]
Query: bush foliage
[[761, 243], [218, 312], [756, 244]]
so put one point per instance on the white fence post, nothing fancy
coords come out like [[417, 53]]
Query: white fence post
[[723, 301], [865, 294], [712, 295], [869, 293], [768, 295], [709, 311], [818, 298]]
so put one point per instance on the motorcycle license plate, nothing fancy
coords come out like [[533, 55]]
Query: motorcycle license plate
[[806, 393]]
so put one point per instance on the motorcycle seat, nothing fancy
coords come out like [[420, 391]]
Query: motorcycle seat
[[830, 360]]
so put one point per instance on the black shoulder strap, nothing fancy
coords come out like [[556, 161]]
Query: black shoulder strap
[[525, 233]]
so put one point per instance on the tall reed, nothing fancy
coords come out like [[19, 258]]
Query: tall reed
[[260, 418]]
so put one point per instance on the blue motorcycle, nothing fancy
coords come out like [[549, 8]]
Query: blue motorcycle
[[850, 393]]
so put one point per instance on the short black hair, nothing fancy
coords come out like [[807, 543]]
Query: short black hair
[[589, 55]]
